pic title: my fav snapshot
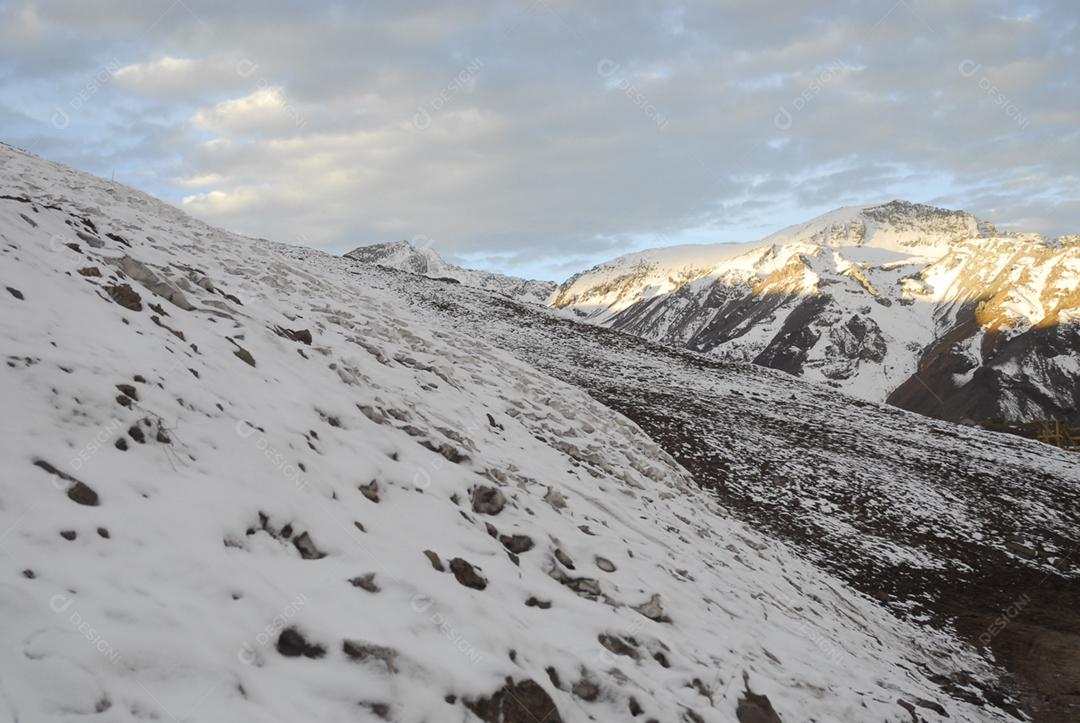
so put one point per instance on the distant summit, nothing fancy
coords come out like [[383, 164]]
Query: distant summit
[[425, 261]]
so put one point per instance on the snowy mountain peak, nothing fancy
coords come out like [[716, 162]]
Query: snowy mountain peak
[[425, 261], [864, 298], [403, 256]]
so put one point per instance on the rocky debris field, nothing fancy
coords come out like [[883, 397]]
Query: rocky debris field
[[970, 531]]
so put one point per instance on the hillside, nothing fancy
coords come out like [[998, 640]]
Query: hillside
[[257, 482]]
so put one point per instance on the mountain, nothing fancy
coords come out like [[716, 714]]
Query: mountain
[[425, 261], [250, 481], [927, 308]]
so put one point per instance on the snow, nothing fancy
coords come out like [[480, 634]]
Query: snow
[[176, 612]]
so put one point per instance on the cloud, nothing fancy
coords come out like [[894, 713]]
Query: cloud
[[267, 109], [180, 78], [532, 135]]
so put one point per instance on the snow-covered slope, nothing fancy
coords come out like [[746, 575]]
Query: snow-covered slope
[[425, 261], [926, 307], [244, 482]]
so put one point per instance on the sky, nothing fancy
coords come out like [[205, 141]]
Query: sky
[[539, 137]]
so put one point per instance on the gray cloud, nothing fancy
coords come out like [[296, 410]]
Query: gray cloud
[[533, 135]]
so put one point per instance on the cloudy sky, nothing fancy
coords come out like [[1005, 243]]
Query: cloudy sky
[[540, 136]]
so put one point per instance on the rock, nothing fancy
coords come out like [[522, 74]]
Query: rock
[[434, 560], [366, 582], [754, 708], [522, 702], [90, 271], [487, 500], [141, 273], [617, 645], [564, 559], [307, 548], [16, 293], [128, 391], [77, 492], [466, 574], [493, 423], [605, 564], [136, 433], [69, 534], [126, 296], [516, 544], [653, 610], [371, 490], [555, 499], [244, 355], [534, 602], [357, 650], [83, 495], [301, 335], [292, 644], [587, 690]]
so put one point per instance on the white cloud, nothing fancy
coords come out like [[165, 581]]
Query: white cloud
[[266, 109], [175, 77]]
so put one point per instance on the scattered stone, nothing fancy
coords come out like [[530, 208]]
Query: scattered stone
[[68, 534], [357, 650], [244, 355], [487, 500], [91, 271], [29, 574], [434, 560], [617, 645], [292, 644], [77, 492], [136, 433], [128, 391], [367, 582], [380, 709], [301, 335], [141, 273], [516, 544], [564, 559], [587, 690], [126, 296], [605, 564], [121, 444], [555, 499], [16, 293], [466, 574], [371, 490], [103, 532], [493, 423], [653, 609], [521, 702], [635, 707], [307, 548], [534, 602], [754, 708]]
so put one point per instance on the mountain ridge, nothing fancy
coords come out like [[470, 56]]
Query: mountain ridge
[[884, 302], [425, 261]]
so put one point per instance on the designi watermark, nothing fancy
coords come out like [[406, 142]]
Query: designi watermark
[[607, 68], [422, 604], [61, 604], [60, 118], [969, 69]]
